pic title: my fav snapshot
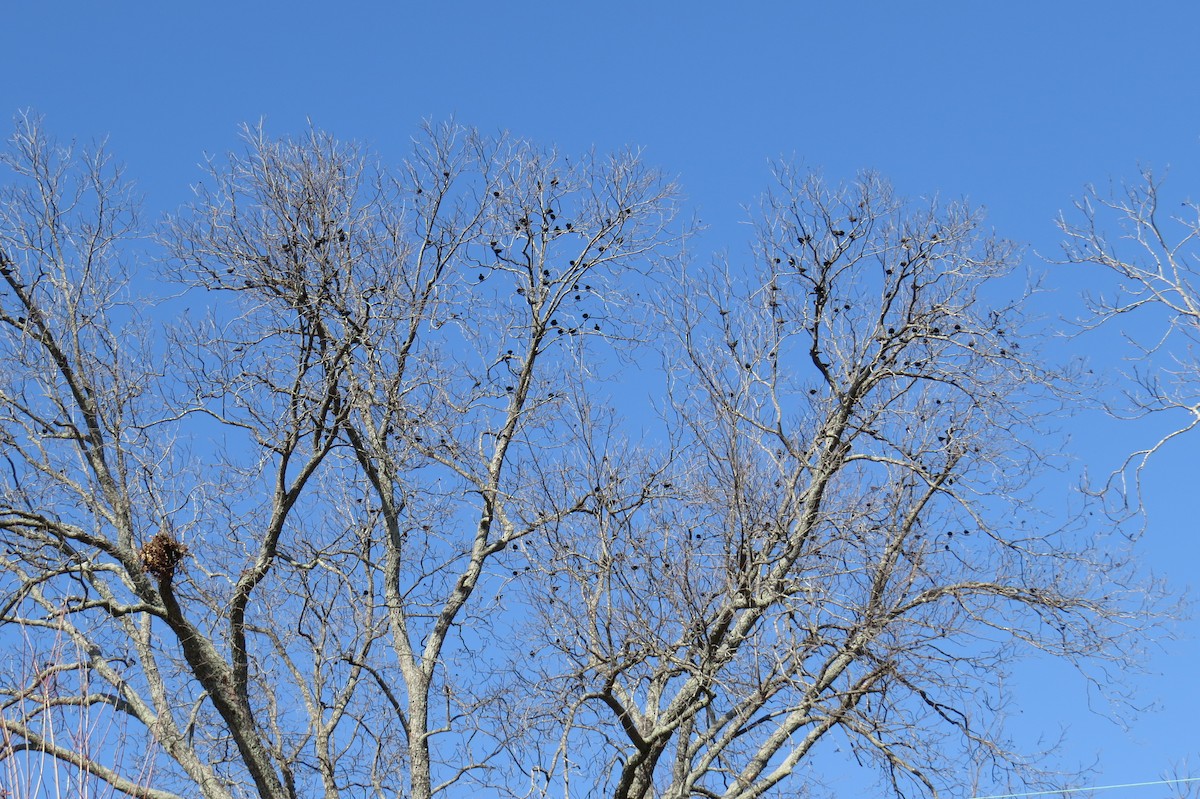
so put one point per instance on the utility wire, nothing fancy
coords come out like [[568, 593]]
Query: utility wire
[[1093, 788]]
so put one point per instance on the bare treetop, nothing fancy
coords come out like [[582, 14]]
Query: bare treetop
[[1151, 253], [372, 522], [837, 545]]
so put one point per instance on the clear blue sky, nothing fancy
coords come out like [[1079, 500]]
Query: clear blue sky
[[1015, 105]]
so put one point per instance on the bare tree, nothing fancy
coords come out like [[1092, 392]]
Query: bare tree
[[335, 451], [1151, 251], [367, 522], [838, 545]]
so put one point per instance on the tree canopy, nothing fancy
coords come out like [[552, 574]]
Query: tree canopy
[[467, 474]]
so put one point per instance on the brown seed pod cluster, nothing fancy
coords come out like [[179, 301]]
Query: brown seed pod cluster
[[161, 554]]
